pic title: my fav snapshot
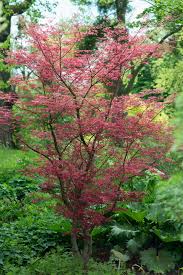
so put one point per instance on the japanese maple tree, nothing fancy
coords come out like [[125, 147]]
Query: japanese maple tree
[[90, 142]]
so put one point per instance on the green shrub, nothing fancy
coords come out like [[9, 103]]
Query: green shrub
[[58, 263], [10, 211], [36, 230], [17, 188], [153, 225], [168, 201], [19, 246]]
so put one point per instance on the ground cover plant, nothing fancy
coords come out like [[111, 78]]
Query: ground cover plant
[[90, 143], [25, 233]]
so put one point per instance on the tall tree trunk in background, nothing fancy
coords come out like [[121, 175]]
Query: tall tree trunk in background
[[121, 10], [118, 87], [6, 12]]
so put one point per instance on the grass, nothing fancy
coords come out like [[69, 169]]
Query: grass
[[9, 158]]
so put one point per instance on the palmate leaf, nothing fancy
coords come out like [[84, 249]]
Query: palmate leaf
[[120, 256], [135, 215], [166, 236], [133, 246], [161, 263], [124, 230]]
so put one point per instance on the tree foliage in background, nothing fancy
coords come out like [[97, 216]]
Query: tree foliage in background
[[9, 9], [116, 10], [166, 24], [162, 20]]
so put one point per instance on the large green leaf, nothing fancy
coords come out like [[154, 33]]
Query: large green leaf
[[135, 215], [138, 216], [161, 263], [167, 236], [124, 230], [120, 256]]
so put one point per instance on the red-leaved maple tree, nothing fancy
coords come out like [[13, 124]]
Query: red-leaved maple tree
[[90, 141]]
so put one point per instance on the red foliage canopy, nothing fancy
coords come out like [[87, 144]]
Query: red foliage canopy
[[90, 141]]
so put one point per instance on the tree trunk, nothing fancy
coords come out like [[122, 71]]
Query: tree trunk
[[6, 136], [75, 249], [6, 132], [118, 87], [87, 252], [121, 9]]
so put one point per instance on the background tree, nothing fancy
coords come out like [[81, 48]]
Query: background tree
[[8, 9], [162, 20], [118, 9], [166, 27], [167, 71]]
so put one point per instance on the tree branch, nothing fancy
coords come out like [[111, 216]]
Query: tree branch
[[179, 28], [22, 7]]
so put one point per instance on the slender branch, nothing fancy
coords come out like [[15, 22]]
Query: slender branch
[[179, 28], [36, 151], [50, 123]]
